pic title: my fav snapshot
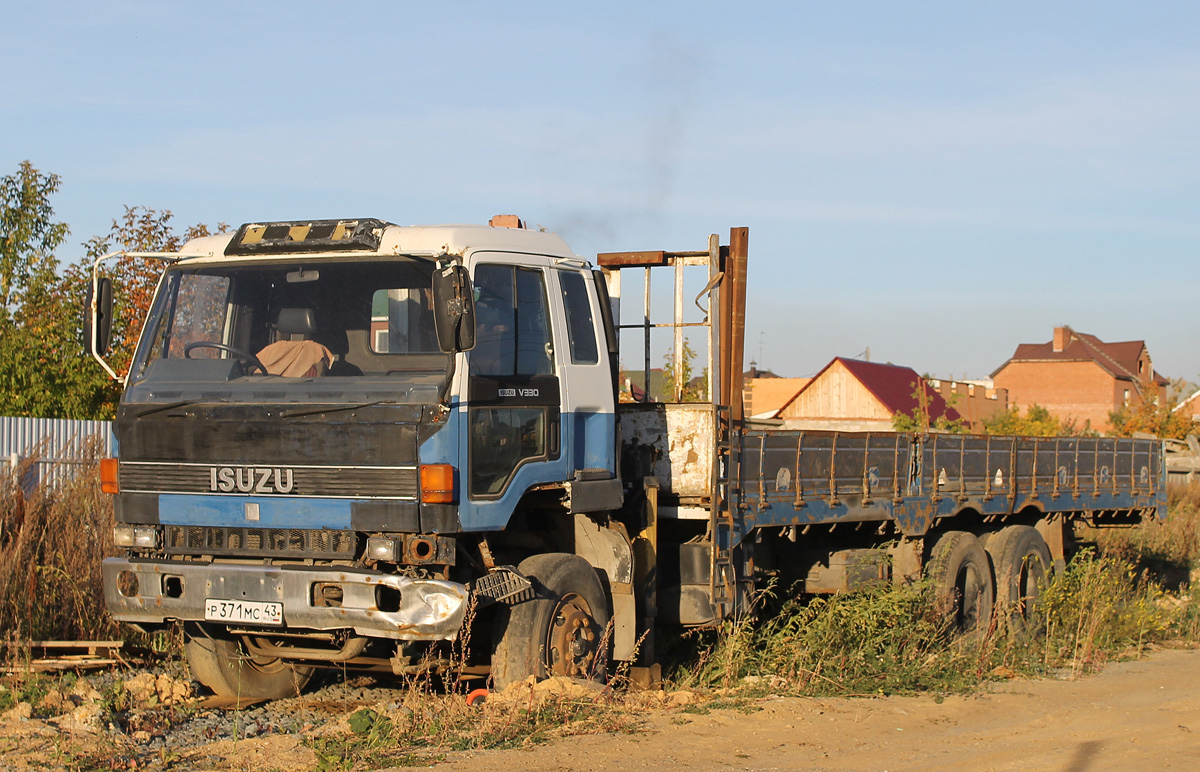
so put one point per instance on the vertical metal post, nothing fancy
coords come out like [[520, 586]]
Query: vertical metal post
[[678, 343], [646, 336], [714, 311], [735, 277]]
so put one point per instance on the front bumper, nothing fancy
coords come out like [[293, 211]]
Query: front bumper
[[153, 592]]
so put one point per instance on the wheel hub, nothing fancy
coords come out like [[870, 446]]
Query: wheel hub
[[572, 640]]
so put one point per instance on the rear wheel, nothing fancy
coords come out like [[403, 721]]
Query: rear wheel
[[1023, 565], [224, 665], [962, 579], [561, 632]]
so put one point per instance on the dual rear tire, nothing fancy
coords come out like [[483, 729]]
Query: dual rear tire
[[1023, 566], [1008, 576]]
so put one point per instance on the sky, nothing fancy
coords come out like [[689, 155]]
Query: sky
[[935, 182]]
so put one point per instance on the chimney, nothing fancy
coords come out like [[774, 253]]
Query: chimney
[[1062, 336]]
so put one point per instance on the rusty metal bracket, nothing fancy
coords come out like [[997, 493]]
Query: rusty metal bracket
[[799, 502], [833, 497], [962, 470], [762, 465], [1033, 491], [987, 469], [896, 498], [934, 474], [866, 475]]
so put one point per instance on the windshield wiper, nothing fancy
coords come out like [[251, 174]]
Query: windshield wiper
[[336, 408], [171, 406]]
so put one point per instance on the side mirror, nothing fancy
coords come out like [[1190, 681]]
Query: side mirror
[[453, 308], [97, 318]]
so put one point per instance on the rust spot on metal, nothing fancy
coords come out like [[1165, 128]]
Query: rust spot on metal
[[631, 259]]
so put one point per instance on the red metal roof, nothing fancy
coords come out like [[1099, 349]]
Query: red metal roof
[[893, 385]]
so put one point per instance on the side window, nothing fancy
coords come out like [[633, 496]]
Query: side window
[[512, 335], [501, 438], [580, 327]]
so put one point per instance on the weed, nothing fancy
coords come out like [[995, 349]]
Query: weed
[[889, 639], [1169, 549], [54, 538]]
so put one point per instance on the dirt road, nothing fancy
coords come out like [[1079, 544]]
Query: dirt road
[[1142, 715], [1139, 715]]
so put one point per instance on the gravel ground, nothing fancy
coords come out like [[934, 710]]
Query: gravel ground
[[146, 715]]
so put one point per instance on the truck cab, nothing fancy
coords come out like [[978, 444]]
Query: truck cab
[[340, 439]]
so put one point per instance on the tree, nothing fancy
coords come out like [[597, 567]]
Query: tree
[[1153, 416], [1037, 422], [694, 390], [920, 420], [44, 370], [28, 234]]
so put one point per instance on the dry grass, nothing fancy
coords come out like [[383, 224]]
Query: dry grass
[[1169, 549], [426, 723], [53, 539]]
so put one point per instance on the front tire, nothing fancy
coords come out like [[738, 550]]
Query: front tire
[[561, 632], [225, 667]]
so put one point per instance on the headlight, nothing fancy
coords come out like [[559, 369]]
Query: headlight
[[382, 548], [136, 536]]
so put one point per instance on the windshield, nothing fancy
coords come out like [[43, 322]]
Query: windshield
[[293, 322]]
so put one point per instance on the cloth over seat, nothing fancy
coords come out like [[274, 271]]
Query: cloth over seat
[[295, 356]]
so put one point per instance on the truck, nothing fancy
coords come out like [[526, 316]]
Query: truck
[[404, 449]]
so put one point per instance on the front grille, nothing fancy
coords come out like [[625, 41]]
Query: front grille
[[355, 482], [278, 542]]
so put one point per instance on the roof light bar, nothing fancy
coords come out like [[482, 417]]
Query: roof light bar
[[306, 236]]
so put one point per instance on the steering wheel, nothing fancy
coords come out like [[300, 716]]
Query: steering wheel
[[238, 354]]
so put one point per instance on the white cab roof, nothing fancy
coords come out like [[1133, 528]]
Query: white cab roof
[[409, 239]]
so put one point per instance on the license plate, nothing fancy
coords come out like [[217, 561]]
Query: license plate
[[252, 612]]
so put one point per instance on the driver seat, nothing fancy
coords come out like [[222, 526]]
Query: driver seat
[[294, 354]]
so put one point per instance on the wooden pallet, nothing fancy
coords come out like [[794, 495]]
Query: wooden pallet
[[50, 656]]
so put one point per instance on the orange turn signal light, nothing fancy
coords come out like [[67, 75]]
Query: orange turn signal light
[[108, 476], [437, 484]]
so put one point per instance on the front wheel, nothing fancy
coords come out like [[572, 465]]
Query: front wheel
[[561, 632], [225, 666]]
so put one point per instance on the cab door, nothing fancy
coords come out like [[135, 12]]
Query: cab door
[[514, 395]]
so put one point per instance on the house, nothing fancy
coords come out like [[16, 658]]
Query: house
[[1190, 406], [764, 392], [853, 395], [1079, 377], [976, 401]]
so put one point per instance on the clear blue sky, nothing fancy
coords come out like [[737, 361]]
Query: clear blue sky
[[938, 181]]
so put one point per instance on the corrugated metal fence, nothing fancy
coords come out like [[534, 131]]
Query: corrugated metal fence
[[56, 446]]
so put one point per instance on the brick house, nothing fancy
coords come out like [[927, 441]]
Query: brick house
[[975, 401], [1079, 377], [852, 395]]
